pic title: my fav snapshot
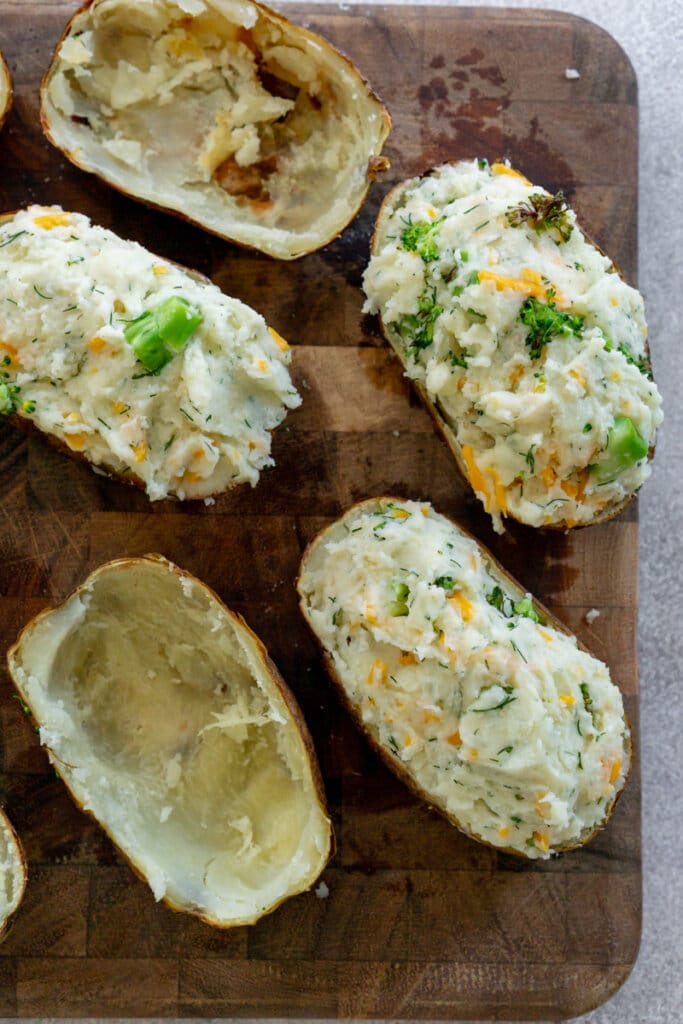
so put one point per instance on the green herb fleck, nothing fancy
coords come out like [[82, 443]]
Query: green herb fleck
[[545, 322], [635, 361], [508, 699]]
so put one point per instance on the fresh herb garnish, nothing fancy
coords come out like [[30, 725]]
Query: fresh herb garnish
[[545, 322], [445, 582], [516, 649], [508, 699], [12, 238], [635, 361], [543, 213]]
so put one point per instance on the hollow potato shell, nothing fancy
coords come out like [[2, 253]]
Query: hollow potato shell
[[221, 111], [5, 90], [522, 339], [169, 724], [13, 873], [471, 691]]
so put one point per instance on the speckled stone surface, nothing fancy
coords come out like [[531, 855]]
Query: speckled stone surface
[[652, 36]]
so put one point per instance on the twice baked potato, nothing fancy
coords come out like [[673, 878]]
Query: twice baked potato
[[13, 873], [525, 343], [169, 724], [143, 368], [470, 690], [5, 90], [223, 112]]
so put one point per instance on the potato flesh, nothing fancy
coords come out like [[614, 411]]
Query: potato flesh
[[149, 94], [483, 708], [159, 715], [201, 425], [12, 871], [527, 427]]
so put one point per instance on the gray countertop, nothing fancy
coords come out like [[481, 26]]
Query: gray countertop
[[652, 36]]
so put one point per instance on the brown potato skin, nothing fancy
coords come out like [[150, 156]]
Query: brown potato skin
[[277, 680], [6, 79], [393, 762], [441, 425], [376, 165]]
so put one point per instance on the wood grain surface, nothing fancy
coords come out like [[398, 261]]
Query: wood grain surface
[[419, 922]]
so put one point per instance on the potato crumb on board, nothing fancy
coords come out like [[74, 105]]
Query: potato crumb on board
[[571, 73], [591, 615], [322, 891]]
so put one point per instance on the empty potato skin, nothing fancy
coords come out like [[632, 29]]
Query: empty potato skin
[[441, 420], [321, 829], [16, 867], [5, 90], [390, 757], [240, 203]]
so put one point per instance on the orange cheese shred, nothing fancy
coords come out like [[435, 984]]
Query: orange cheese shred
[[515, 284], [542, 841], [279, 340], [52, 220], [499, 168], [464, 605]]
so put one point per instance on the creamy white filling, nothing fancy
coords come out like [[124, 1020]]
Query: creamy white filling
[[502, 721], [530, 423], [201, 424]]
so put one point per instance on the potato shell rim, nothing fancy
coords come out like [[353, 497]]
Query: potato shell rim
[[275, 677], [394, 763], [370, 174], [6, 79], [442, 426], [6, 925]]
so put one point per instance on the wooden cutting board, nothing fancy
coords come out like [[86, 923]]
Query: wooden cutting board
[[419, 922]]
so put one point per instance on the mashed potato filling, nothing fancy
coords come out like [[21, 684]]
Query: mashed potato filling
[[495, 714], [69, 291], [525, 338]]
